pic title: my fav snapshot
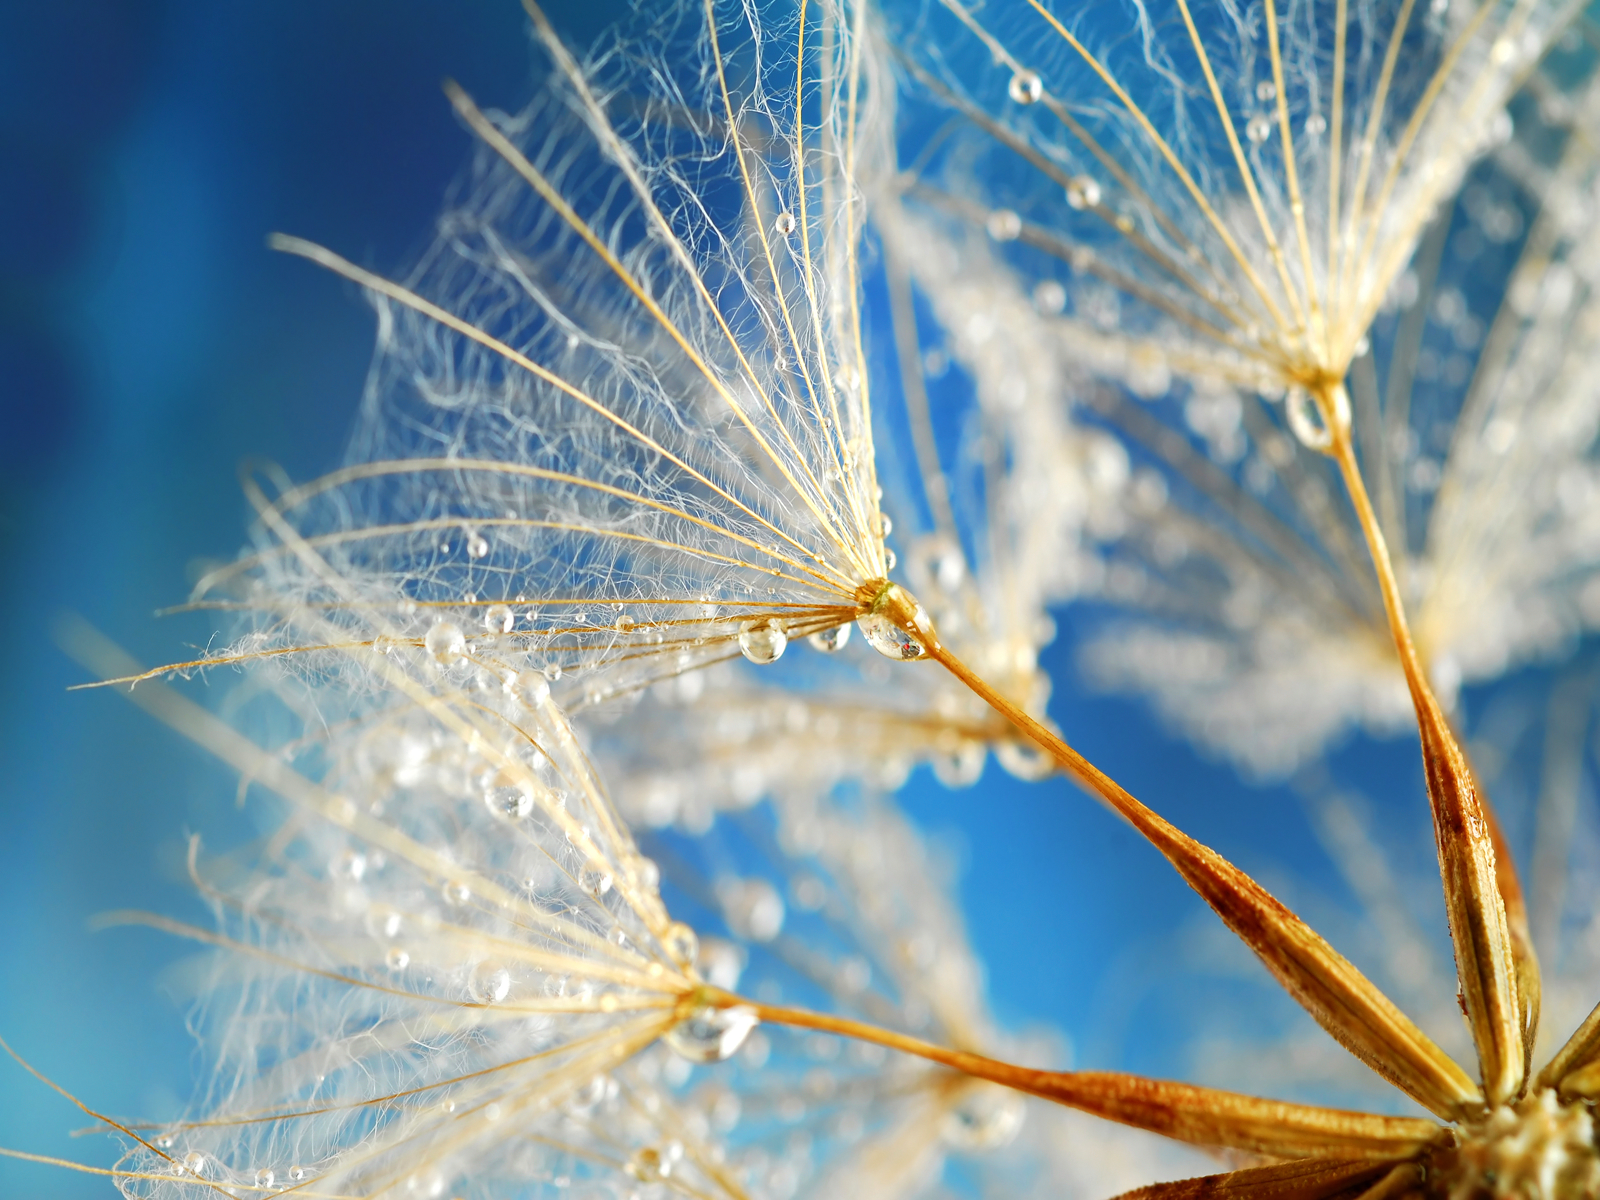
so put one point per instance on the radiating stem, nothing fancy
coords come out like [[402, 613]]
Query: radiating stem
[[1202, 1116], [1342, 1000], [1491, 961]]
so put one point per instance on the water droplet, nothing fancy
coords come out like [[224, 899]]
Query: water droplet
[[1266, 91], [595, 878], [512, 801], [711, 1034], [297, 1173], [455, 892], [830, 640], [426, 1184], [553, 672], [1258, 128], [498, 618], [266, 1177], [890, 559], [489, 985], [446, 642], [397, 959], [352, 864], [1316, 124], [532, 689], [649, 1165], [752, 908], [763, 641], [885, 525], [1306, 419], [164, 1142], [1003, 225], [961, 768], [195, 1163], [783, 225], [1024, 760], [477, 545], [888, 639], [1363, 344], [1025, 87], [984, 1117], [1049, 297], [681, 943], [1083, 192]]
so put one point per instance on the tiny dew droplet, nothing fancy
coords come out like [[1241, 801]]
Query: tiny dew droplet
[[446, 642], [595, 878], [649, 1165], [890, 559], [266, 1177], [532, 689], [498, 618], [1049, 297], [710, 1034], [1025, 87], [1083, 192], [195, 1163], [477, 545], [512, 801], [1316, 124], [888, 639], [783, 224], [885, 525], [1266, 90], [681, 943], [1258, 128], [297, 1173], [397, 959], [164, 1142], [489, 985], [984, 1117], [1003, 225], [830, 640], [763, 641], [455, 892]]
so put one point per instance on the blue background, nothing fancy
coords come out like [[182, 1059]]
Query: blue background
[[149, 344]]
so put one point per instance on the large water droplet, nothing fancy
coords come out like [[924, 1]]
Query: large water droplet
[[455, 891], [1316, 124], [1266, 91], [1306, 418], [763, 641], [532, 689], [477, 545], [1258, 128], [783, 224], [985, 1116], [1082, 192], [961, 768], [446, 642], [397, 959], [266, 1177], [498, 618], [830, 640], [710, 1034], [195, 1163], [888, 639]]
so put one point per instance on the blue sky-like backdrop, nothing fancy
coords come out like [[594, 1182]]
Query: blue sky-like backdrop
[[150, 344]]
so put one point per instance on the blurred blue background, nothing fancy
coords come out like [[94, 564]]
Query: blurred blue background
[[149, 344]]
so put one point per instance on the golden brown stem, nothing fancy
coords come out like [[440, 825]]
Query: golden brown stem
[[1486, 959], [1308, 1179], [1343, 1001], [1202, 1116]]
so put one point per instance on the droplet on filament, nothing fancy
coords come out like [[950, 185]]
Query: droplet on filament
[[711, 1034], [763, 641]]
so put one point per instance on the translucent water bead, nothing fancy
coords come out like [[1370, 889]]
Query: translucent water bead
[[783, 224], [266, 1177], [1082, 192], [1306, 418], [830, 640], [888, 639], [985, 1116], [763, 641], [681, 943], [1258, 128], [710, 1034], [498, 618], [446, 642], [489, 985], [1025, 87]]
